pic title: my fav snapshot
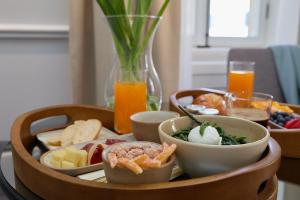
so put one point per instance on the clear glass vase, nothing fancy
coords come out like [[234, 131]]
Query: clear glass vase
[[133, 65]]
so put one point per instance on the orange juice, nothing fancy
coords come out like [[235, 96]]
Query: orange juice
[[130, 98], [241, 82]]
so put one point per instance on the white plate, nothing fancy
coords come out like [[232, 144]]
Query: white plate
[[45, 136], [45, 158]]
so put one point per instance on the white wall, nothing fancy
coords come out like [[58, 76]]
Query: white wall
[[283, 25], [34, 68]]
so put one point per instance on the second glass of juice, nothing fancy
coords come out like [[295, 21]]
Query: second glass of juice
[[241, 78], [130, 97]]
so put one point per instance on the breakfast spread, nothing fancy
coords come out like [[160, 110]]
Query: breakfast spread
[[276, 107], [69, 157], [199, 109], [139, 157], [211, 100], [284, 116], [134, 159], [72, 157], [286, 120], [94, 153], [79, 132], [208, 133], [205, 135]]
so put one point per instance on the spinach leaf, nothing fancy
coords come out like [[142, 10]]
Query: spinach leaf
[[203, 127], [182, 134], [226, 138]]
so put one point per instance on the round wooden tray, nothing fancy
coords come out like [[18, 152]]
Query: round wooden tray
[[288, 139], [256, 181]]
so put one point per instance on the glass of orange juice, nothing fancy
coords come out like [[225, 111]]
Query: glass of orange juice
[[241, 78], [130, 97]]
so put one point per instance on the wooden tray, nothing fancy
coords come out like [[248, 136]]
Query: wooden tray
[[256, 181], [288, 139]]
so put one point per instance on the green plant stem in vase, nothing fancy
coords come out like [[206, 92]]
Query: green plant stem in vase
[[133, 29], [129, 35]]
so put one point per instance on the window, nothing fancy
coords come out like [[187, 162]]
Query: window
[[230, 22]]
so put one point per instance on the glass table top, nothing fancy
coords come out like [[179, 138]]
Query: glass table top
[[288, 175]]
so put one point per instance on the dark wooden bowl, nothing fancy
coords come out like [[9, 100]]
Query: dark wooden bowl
[[288, 139], [256, 181]]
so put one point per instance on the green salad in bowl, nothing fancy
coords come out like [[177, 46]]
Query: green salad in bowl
[[208, 145]]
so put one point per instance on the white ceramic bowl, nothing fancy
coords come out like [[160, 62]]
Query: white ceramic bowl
[[145, 124], [200, 160], [124, 176]]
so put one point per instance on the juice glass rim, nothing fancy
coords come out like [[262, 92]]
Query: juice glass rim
[[241, 66], [251, 63]]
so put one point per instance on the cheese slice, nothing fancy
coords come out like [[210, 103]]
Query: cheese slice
[[67, 165], [83, 158], [72, 155]]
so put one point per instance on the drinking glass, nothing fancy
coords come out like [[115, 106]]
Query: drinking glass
[[241, 78], [130, 97], [256, 108]]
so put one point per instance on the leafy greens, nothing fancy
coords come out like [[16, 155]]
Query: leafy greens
[[226, 138]]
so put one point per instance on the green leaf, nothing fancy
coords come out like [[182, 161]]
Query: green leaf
[[182, 134], [203, 127], [128, 36], [154, 24], [129, 7], [226, 138]]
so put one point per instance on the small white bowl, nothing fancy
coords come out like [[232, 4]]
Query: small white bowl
[[201, 160], [125, 176], [145, 124]]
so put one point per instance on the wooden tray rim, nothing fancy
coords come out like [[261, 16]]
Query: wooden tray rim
[[21, 151], [173, 102]]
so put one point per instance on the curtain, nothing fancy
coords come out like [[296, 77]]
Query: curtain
[[82, 51], [91, 50]]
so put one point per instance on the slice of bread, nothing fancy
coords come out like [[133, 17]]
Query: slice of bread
[[79, 122], [67, 135], [80, 131], [55, 141], [86, 131]]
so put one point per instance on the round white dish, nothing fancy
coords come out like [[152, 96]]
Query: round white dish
[[201, 159]]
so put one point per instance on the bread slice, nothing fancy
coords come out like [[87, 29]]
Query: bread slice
[[86, 131], [55, 141], [67, 135], [79, 122]]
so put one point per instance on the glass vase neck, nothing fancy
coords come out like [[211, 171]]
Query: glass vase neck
[[133, 38]]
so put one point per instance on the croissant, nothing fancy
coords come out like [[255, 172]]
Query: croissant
[[211, 101]]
